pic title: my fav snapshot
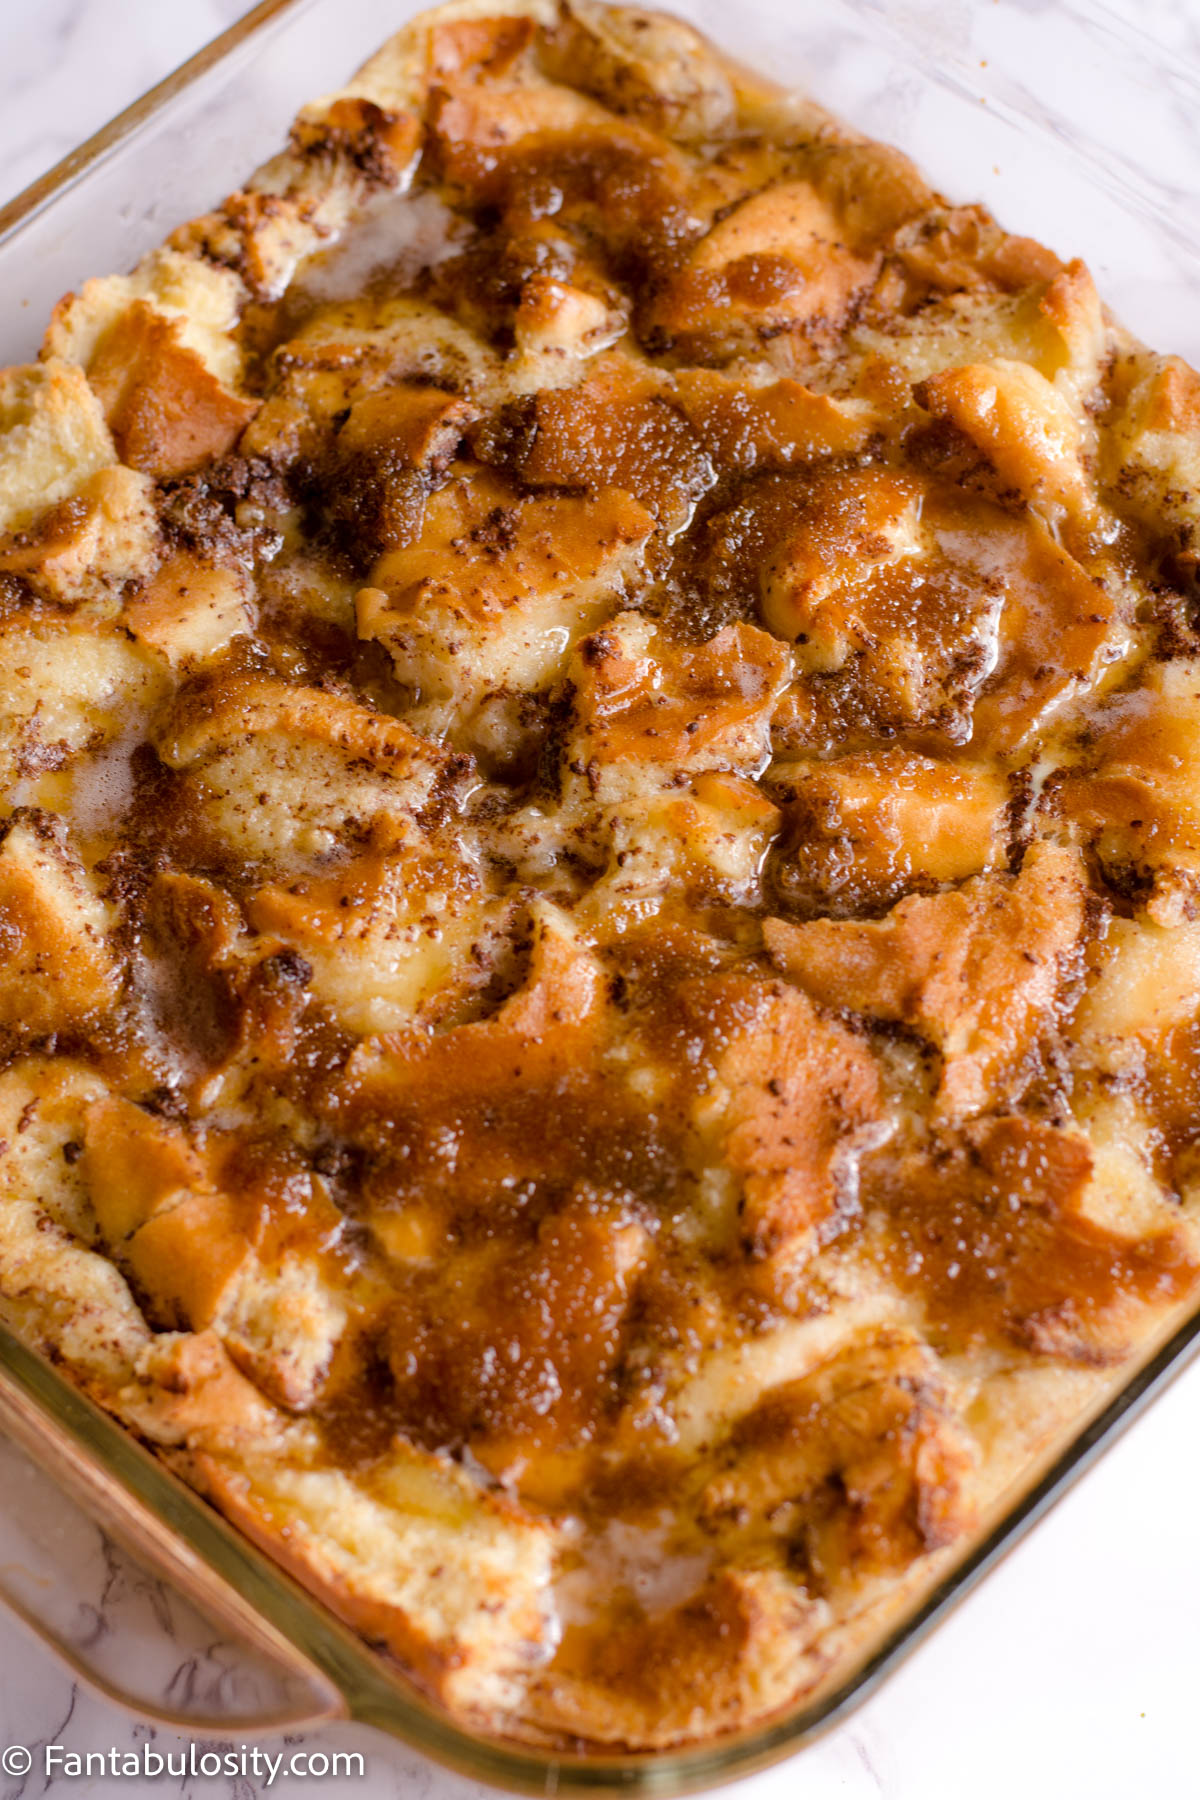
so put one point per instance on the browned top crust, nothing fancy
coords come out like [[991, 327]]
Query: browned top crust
[[600, 868]]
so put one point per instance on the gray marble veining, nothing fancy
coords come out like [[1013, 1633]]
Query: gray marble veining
[[1072, 1671]]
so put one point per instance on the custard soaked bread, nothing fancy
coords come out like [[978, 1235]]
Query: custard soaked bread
[[601, 867]]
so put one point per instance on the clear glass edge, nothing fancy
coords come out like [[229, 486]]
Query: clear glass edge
[[379, 1695], [48, 187], [376, 1694]]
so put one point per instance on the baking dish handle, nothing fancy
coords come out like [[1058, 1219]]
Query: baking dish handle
[[155, 1548], [303, 1717]]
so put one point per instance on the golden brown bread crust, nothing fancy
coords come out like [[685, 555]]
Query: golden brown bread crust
[[599, 877]]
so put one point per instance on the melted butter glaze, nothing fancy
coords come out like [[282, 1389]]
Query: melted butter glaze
[[596, 870], [993, 1234]]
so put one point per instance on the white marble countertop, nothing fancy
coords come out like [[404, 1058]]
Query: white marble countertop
[[1071, 1672]]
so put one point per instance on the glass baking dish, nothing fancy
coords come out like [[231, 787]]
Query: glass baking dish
[[987, 114]]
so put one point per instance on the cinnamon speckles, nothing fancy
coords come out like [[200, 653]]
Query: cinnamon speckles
[[600, 885]]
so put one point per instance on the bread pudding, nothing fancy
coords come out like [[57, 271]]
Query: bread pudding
[[600, 877]]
